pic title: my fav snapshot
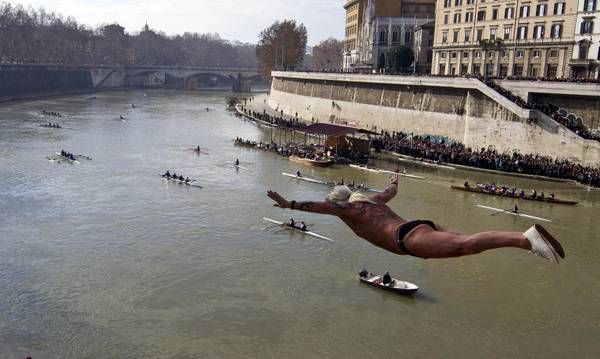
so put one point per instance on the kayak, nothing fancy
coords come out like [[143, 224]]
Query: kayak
[[396, 286]]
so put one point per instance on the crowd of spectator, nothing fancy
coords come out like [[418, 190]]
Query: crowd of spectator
[[278, 121], [444, 151]]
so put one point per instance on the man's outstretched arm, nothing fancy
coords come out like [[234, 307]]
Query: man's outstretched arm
[[389, 192], [314, 207]]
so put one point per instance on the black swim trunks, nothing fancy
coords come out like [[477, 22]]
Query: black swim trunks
[[405, 229]]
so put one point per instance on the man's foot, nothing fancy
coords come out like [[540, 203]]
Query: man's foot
[[543, 244]]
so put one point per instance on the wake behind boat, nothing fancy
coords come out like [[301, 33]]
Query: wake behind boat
[[391, 285], [513, 213], [379, 171], [288, 226]]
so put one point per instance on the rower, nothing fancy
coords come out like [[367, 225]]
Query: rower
[[188, 180], [167, 175], [552, 196], [174, 176], [534, 194], [303, 227], [291, 223], [542, 196], [363, 273], [387, 279], [298, 174], [237, 161], [516, 210], [181, 178], [198, 149], [466, 184], [121, 117]]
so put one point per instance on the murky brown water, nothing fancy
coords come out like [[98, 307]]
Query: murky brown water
[[105, 260]]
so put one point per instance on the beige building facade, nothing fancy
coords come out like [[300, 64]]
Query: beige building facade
[[523, 38], [373, 27], [585, 62]]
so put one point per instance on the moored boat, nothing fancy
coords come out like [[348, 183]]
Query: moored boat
[[515, 196], [311, 162]]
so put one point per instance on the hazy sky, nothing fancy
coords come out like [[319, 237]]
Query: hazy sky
[[232, 19]]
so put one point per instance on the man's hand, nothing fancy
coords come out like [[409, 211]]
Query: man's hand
[[394, 179], [279, 201]]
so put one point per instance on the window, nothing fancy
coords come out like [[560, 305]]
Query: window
[[395, 37], [519, 54], [524, 11], [522, 33], [536, 54], [587, 27], [457, 18], [509, 13], [465, 55], [447, 3], [584, 47], [559, 8], [470, 2], [493, 34], [589, 5], [506, 33], [457, 2], [444, 37], [443, 55], [407, 37], [469, 17], [446, 19], [541, 10], [467, 35], [494, 14], [556, 31], [455, 36], [518, 70], [453, 55], [481, 15], [477, 54], [504, 53], [382, 36], [538, 32], [479, 34], [553, 53]]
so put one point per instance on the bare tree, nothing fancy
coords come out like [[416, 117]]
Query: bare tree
[[281, 46], [327, 55]]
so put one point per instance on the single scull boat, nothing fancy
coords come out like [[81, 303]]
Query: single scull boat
[[513, 213]]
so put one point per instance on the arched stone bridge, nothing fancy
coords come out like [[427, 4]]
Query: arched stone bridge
[[237, 79]]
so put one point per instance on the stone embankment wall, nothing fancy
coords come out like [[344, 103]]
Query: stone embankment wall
[[15, 83], [462, 109]]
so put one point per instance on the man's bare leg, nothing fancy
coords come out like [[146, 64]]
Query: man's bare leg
[[428, 243]]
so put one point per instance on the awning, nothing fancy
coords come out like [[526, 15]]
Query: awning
[[330, 129]]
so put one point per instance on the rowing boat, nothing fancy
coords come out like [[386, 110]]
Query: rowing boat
[[240, 167], [67, 158], [48, 126], [424, 162], [190, 183], [513, 213], [401, 174], [516, 196], [307, 179], [201, 151], [287, 226], [396, 286]]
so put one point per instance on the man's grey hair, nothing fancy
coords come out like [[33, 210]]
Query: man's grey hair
[[341, 194]]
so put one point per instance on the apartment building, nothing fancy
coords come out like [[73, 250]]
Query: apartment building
[[529, 38], [585, 62]]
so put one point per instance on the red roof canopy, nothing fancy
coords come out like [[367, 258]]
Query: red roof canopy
[[330, 129]]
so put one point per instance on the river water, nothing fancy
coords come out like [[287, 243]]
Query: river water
[[103, 259]]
